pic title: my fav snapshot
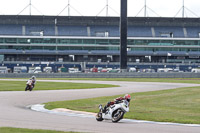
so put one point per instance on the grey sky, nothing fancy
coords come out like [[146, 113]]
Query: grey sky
[[164, 8]]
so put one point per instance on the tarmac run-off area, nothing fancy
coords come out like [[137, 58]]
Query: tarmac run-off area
[[15, 109]]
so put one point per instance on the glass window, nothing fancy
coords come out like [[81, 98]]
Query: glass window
[[18, 47], [1, 40], [179, 42], [102, 41], [49, 41], [10, 40], [75, 41], [141, 42], [88, 41], [152, 41], [3, 47], [166, 41], [63, 41], [114, 42], [50, 48], [26, 48], [130, 42], [62, 48], [23, 40], [113, 48], [36, 47], [191, 42], [36, 40]]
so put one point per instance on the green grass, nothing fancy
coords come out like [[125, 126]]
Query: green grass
[[22, 130], [180, 105], [169, 80], [20, 85]]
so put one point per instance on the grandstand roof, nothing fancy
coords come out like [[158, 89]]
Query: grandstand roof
[[94, 20]]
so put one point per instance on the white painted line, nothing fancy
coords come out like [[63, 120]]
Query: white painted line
[[161, 123], [40, 108]]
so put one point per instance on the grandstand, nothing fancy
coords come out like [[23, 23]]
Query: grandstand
[[73, 39]]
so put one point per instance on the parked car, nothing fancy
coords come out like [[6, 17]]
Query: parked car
[[73, 70], [47, 69], [94, 69], [114, 71], [164, 70], [3, 69], [62, 69], [35, 70], [20, 69], [195, 70], [132, 69]]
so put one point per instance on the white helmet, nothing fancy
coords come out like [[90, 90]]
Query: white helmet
[[33, 77]]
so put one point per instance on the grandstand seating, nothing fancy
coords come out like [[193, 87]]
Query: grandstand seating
[[113, 31], [193, 32], [193, 53], [38, 51], [175, 30], [72, 30], [78, 52], [10, 29], [104, 52], [47, 30], [100, 30], [7, 51], [139, 31], [173, 53], [139, 53]]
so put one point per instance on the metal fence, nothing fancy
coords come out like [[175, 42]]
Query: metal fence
[[103, 75]]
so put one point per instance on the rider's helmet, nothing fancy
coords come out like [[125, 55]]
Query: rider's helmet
[[33, 77], [127, 97]]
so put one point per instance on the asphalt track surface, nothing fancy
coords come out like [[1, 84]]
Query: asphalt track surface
[[14, 111]]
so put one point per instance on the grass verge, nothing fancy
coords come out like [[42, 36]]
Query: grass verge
[[180, 105], [167, 80], [22, 130], [20, 85]]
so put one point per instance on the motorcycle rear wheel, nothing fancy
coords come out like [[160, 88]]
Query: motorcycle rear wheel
[[117, 115]]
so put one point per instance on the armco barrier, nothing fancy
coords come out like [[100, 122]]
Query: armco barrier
[[103, 75]]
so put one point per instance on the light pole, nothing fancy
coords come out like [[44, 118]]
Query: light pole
[[123, 36]]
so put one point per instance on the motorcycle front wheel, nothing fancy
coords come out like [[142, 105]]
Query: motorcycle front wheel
[[27, 87], [99, 117], [117, 115]]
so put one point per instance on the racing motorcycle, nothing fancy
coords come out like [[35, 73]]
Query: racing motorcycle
[[29, 85], [114, 112]]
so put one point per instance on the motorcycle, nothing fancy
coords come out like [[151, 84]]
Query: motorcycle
[[29, 85], [114, 112]]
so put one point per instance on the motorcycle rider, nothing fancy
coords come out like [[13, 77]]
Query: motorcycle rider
[[33, 81], [126, 97], [33, 78], [30, 84]]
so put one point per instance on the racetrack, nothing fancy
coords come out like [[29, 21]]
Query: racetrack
[[14, 111]]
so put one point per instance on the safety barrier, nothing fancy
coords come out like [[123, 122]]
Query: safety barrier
[[103, 75]]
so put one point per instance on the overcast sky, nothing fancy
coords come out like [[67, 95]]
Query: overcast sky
[[162, 8]]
